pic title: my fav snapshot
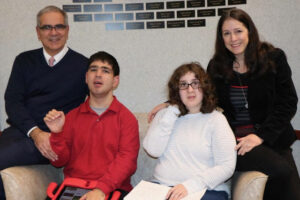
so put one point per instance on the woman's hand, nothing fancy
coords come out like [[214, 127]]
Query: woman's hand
[[247, 143], [155, 110], [177, 192]]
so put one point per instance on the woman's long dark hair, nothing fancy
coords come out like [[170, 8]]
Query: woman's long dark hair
[[209, 100], [256, 52]]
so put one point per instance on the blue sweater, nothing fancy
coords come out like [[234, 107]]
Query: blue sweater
[[34, 88]]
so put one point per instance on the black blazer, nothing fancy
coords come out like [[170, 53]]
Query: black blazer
[[272, 102]]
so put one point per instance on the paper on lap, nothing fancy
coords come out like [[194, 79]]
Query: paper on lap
[[151, 191]]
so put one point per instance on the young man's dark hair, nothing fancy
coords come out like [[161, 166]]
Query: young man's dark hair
[[106, 57]]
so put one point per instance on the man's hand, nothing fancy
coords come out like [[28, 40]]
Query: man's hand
[[95, 194], [247, 143], [177, 192], [55, 120], [155, 110], [41, 141]]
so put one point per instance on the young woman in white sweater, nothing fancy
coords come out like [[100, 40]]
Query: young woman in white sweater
[[193, 142]]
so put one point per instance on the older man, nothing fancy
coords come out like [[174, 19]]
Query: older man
[[49, 77]]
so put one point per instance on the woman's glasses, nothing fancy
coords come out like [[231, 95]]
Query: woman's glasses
[[185, 85]]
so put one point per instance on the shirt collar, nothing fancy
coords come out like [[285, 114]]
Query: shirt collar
[[114, 106], [57, 57]]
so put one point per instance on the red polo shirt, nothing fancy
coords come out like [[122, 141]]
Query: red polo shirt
[[102, 148]]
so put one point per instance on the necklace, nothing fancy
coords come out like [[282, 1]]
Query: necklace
[[237, 67], [240, 82]]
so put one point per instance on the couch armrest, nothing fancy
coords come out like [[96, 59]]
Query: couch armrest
[[248, 185], [29, 182]]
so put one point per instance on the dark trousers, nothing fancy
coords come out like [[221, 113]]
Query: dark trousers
[[283, 181], [215, 195], [17, 149]]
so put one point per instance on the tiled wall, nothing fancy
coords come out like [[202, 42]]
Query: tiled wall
[[148, 15]]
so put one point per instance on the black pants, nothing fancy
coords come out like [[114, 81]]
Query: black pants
[[17, 149], [283, 182], [215, 195]]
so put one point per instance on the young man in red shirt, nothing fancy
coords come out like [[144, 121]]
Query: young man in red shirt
[[98, 140]]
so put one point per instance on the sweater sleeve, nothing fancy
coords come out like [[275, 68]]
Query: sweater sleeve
[[224, 158], [15, 97], [285, 101], [160, 130], [125, 162]]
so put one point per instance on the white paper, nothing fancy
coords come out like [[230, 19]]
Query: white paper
[[151, 191]]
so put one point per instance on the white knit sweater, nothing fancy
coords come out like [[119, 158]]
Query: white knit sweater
[[196, 150]]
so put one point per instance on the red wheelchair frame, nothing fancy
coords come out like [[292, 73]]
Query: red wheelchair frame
[[76, 182]]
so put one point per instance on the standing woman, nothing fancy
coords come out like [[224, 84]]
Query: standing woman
[[193, 141], [255, 89]]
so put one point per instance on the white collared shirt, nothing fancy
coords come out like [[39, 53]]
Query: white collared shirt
[[57, 57]]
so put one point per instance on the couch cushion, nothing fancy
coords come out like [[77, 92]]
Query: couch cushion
[[145, 163], [29, 182], [248, 185]]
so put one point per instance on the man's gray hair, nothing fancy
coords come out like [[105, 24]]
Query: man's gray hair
[[51, 9]]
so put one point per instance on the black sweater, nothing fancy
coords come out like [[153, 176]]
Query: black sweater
[[34, 88]]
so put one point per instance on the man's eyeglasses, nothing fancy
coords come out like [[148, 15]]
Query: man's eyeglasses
[[184, 85], [57, 27]]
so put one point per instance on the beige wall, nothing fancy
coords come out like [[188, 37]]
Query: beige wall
[[147, 57]]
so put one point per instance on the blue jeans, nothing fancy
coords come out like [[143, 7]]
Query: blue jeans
[[215, 195]]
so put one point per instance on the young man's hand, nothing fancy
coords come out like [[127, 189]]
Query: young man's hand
[[95, 194], [55, 120]]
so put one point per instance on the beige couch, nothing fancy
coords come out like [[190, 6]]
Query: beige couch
[[30, 182]]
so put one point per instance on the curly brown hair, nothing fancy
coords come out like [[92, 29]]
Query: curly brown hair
[[209, 100]]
